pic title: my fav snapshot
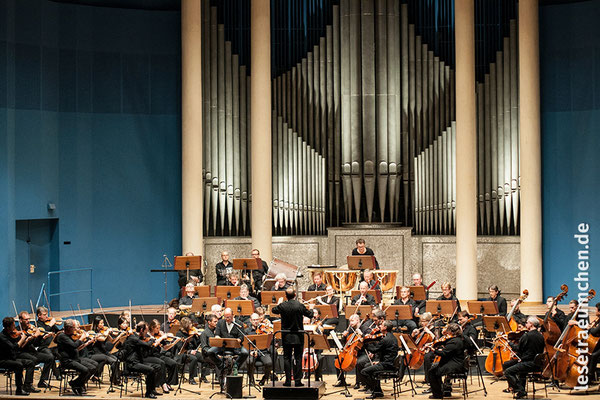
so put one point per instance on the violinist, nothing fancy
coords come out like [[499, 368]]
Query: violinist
[[11, 341], [69, 344], [500, 301], [353, 327], [447, 294], [133, 354], [100, 350], [317, 320], [31, 352], [223, 269], [160, 354], [209, 332], [450, 350], [469, 332], [387, 350], [530, 345], [229, 328], [361, 249], [50, 326], [363, 298], [317, 283], [556, 314], [171, 320], [518, 316], [281, 283], [406, 300], [595, 356], [265, 359], [367, 355], [190, 342]]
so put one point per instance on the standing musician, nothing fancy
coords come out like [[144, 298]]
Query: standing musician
[[556, 314], [265, 359], [162, 344], [11, 341], [387, 349], [448, 295], [595, 356], [291, 312], [228, 328], [317, 283], [99, 351], [69, 344], [495, 296], [190, 341], [451, 357], [353, 327], [49, 325], [361, 249], [134, 350], [223, 269], [329, 299], [30, 351], [195, 278], [258, 275], [418, 281], [406, 300], [518, 316], [364, 298], [530, 345]]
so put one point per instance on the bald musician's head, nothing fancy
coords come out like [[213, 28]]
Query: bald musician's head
[[228, 315]]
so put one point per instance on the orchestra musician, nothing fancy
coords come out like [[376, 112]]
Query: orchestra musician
[[133, 354], [100, 350], [292, 313], [30, 350], [228, 328], [70, 343], [468, 330], [281, 283], [255, 329], [406, 300], [171, 320], [259, 274], [364, 298], [447, 294], [317, 283], [185, 303], [517, 315], [217, 310], [556, 314], [329, 299], [317, 321], [162, 344], [495, 296], [420, 305], [530, 345], [369, 277], [361, 249], [451, 357], [387, 350], [189, 343], [223, 269], [245, 295], [207, 333], [233, 279], [50, 325], [195, 275], [353, 327], [573, 304], [11, 341], [368, 354]]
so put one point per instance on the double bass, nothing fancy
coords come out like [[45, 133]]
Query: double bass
[[501, 352], [551, 331]]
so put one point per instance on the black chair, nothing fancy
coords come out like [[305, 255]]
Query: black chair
[[396, 375], [537, 376], [137, 377], [474, 363], [9, 378], [67, 375], [462, 376]]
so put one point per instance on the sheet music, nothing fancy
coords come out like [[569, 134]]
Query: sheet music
[[336, 340]]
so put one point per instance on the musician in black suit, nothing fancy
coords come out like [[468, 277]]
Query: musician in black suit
[[195, 275], [495, 296], [387, 350], [317, 283], [10, 342], [364, 298], [517, 315], [291, 312], [447, 294], [228, 328], [134, 349], [468, 331], [452, 356], [69, 347], [361, 249], [259, 274], [530, 345], [406, 300], [329, 299], [281, 283], [264, 356], [421, 304]]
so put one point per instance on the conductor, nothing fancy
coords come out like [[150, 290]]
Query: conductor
[[291, 312]]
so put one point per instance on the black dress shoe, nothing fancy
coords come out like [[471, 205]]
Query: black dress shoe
[[299, 384], [287, 383], [375, 395], [356, 386], [31, 389], [43, 385], [521, 395], [192, 382], [427, 391], [507, 390], [150, 395], [156, 393], [21, 392], [204, 380], [435, 397], [75, 389]]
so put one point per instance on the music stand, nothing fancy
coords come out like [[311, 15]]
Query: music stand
[[255, 343], [361, 262], [399, 312], [245, 264], [227, 292], [359, 310], [202, 291], [229, 343], [271, 297], [240, 307], [487, 307], [407, 344], [375, 293], [417, 293], [327, 310], [306, 295], [203, 304], [437, 307], [188, 262], [496, 323]]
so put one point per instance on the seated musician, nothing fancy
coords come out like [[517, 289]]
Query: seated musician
[[469, 332], [224, 268], [363, 298], [495, 296], [451, 358], [317, 283], [353, 328], [49, 324], [69, 344], [447, 294], [518, 316], [368, 353], [594, 330], [264, 318], [387, 350], [369, 277], [317, 321], [11, 341], [133, 355], [207, 333], [406, 300], [185, 303], [573, 304], [425, 328], [281, 283], [187, 348], [233, 279], [361, 249], [258, 275], [255, 328], [163, 343], [100, 350], [556, 314], [245, 295], [195, 275], [171, 320], [31, 352], [217, 310], [530, 345], [329, 299], [228, 328], [420, 306]]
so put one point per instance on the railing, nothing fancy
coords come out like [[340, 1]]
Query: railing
[[76, 270]]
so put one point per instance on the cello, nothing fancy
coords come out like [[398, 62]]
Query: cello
[[501, 352], [416, 359]]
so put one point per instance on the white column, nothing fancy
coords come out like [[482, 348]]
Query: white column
[[191, 129], [466, 152], [530, 150], [260, 127]]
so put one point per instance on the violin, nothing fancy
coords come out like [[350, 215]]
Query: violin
[[265, 328]]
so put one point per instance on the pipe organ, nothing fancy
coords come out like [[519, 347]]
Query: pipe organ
[[363, 115]]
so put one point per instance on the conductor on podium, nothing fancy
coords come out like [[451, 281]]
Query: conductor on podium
[[292, 313]]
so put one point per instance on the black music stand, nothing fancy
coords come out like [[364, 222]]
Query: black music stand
[[164, 268], [398, 312], [359, 310], [487, 307], [226, 343], [227, 292]]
